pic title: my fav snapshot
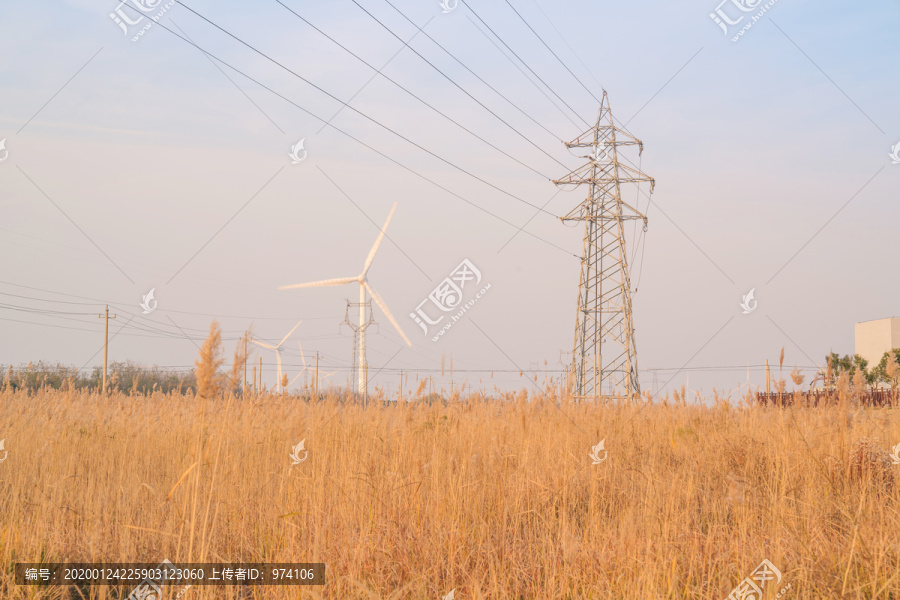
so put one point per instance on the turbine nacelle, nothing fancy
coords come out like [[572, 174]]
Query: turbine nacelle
[[362, 280]]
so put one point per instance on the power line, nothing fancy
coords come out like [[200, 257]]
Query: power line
[[523, 62], [566, 42], [43, 311], [94, 331], [120, 305], [450, 54], [622, 125], [357, 111], [148, 327], [53, 301], [67, 315], [62, 315], [504, 371], [518, 14], [462, 89], [378, 72], [364, 144], [524, 74]]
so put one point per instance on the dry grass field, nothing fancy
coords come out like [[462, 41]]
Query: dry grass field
[[492, 499]]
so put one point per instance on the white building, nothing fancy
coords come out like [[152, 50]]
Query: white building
[[874, 338]]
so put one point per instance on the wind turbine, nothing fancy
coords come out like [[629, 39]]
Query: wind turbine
[[277, 349], [304, 369], [321, 376], [362, 280]]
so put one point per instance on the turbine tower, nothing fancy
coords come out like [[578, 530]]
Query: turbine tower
[[604, 349], [362, 280]]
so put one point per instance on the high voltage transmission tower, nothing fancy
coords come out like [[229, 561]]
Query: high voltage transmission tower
[[604, 350]]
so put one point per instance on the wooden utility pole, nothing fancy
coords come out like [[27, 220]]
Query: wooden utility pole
[[768, 389], [317, 376], [254, 377], [106, 319], [260, 375]]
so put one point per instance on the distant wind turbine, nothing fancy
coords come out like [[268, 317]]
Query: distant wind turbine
[[304, 369], [277, 349], [362, 280]]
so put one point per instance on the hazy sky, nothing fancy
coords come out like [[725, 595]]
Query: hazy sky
[[148, 164]]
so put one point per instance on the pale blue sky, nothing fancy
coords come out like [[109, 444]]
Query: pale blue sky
[[151, 149]]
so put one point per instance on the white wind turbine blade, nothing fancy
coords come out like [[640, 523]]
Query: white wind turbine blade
[[262, 344], [378, 300], [323, 283], [284, 339], [377, 243], [302, 356], [304, 369], [296, 378], [278, 358]]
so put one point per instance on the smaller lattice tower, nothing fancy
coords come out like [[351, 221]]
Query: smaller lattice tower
[[359, 371]]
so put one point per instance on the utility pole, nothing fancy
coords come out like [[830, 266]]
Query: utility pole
[[106, 318], [260, 375], [768, 388], [604, 348], [317, 376]]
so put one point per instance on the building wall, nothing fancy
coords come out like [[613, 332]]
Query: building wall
[[874, 338]]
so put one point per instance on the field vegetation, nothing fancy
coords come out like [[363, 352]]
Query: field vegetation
[[493, 497]]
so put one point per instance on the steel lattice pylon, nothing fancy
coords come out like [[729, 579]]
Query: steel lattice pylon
[[359, 368], [604, 350]]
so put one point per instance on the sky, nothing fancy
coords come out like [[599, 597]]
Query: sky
[[165, 163]]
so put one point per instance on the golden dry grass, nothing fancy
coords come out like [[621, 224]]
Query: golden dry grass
[[496, 499]]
